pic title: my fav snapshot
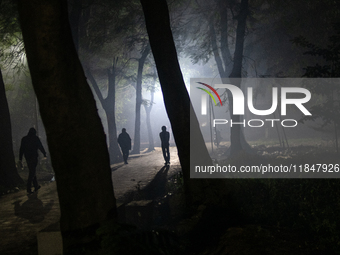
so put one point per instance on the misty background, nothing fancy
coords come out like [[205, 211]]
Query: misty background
[[114, 33]]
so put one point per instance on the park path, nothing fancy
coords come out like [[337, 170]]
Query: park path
[[140, 171], [22, 217]]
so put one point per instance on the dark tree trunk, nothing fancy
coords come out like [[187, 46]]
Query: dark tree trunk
[[9, 176], [235, 131], [217, 57], [75, 13], [149, 128], [148, 109], [176, 98], [141, 62], [108, 105], [225, 50], [74, 131], [224, 60], [240, 33]]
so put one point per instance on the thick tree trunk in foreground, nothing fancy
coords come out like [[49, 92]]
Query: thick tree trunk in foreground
[[176, 98], [9, 176], [74, 131], [74, 17]]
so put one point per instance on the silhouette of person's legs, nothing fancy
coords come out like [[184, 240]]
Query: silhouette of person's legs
[[125, 155], [32, 165], [166, 154]]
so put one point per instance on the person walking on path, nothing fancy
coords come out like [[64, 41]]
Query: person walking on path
[[124, 141], [29, 147], [165, 137]]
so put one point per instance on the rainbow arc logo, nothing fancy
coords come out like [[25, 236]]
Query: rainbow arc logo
[[208, 92]]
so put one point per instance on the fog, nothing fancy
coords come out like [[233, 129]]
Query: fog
[[263, 80], [268, 52], [25, 114]]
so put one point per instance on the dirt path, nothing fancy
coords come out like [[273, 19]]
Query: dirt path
[[22, 217], [140, 171]]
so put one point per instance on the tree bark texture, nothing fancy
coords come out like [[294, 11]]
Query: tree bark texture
[[9, 176], [74, 131]]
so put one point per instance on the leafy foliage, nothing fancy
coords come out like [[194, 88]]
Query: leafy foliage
[[330, 54], [126, 239], [12, 52], [328, 109], [310, 206]]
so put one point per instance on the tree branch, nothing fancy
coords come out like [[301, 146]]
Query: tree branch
[[95, 86]]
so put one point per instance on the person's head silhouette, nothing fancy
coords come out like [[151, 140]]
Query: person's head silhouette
[[123, 130], [164, 128], [32, 131]]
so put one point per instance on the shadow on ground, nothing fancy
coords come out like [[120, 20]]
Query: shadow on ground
[[33, 209], [157, 187]]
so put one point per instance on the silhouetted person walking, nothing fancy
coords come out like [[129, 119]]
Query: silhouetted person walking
[[124, 141], [165, 137], [29, 148]]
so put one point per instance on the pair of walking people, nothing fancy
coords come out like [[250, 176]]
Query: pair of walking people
[[124, 142]]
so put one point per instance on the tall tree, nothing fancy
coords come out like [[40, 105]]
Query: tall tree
[[176, 98], [216, 33], [108, 105], [111, 31], [139, 99], [9, 176], [148, 107], [235, 131], [74, 131], [9, 28], [80, 19]]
